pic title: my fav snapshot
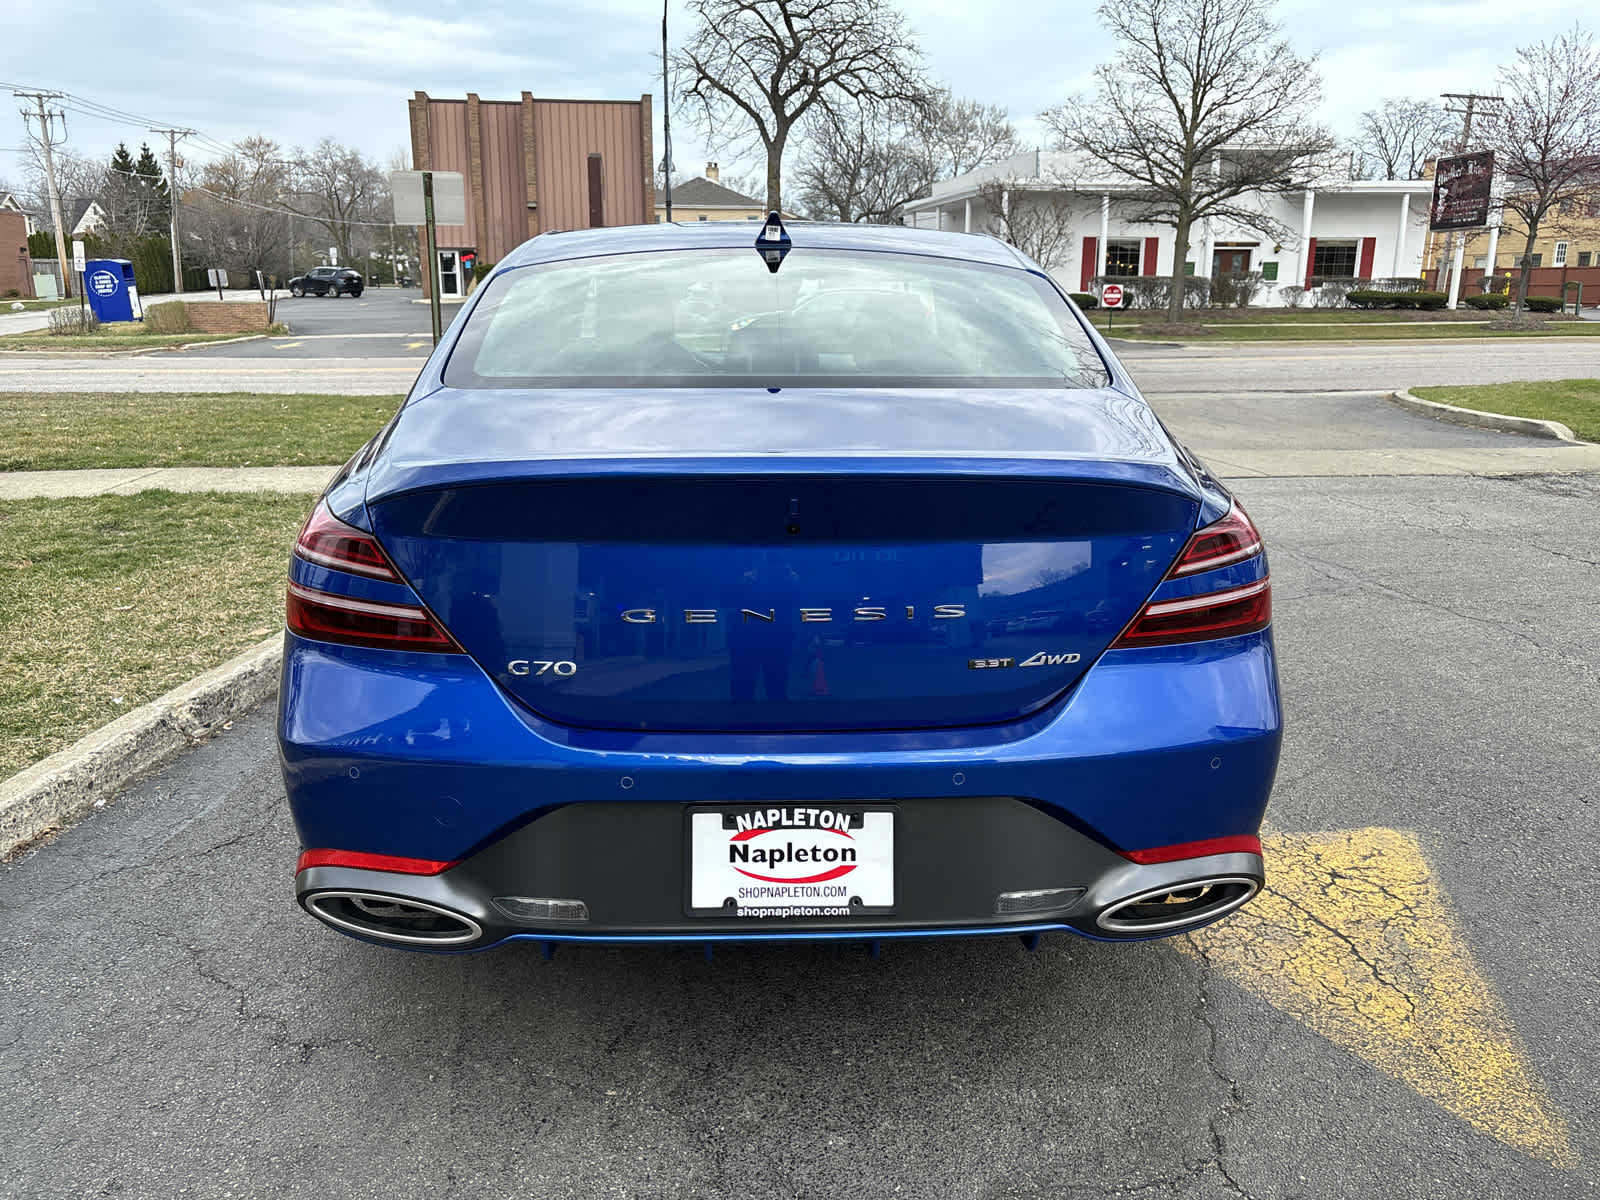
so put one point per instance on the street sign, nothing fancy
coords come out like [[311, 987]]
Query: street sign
[[449, 197], [1111, 295], [78, 259]]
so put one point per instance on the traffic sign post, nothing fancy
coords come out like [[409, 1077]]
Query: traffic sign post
[[1111, 297], [79, 266], [430, 199]]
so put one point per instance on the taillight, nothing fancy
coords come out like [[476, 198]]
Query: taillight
[[1221, 543], [370, 862], [327, 617], [1227, 612], [329, 542]]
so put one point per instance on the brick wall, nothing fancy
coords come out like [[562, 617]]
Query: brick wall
[[228, 316], [16, 268]]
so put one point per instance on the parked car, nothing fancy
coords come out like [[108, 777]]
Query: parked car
[[328, 281], [621, 633]]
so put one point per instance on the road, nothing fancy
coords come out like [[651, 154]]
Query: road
[[1410, 1013], [174, 1025]]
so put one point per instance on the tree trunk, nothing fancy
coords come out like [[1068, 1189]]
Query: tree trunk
[[775, 171], [1527, 270], [1180, 255]]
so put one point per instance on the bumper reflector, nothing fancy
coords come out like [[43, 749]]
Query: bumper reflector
[[1042, 900], [1239, 844], [541, 908], [371, 862]]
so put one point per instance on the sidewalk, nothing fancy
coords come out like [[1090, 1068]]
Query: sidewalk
[[29, 485]]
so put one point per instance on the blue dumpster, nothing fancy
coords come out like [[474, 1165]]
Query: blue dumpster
[[109, 287]]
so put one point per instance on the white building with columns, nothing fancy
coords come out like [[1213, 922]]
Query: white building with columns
[[1338, 228]]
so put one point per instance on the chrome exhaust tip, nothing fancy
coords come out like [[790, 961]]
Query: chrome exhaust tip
[[392, 919], [1177, 906]]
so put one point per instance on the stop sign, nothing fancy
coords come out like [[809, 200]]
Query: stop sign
[[1111, 295]]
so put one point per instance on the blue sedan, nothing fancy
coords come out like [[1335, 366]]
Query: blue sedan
[[838, 584]]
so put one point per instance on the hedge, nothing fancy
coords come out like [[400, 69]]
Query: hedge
[[1084, 299], [1491, 300], [1543, 304], [1371, 298]]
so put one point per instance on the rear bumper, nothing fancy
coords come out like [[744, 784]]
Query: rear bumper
[[422, 756]]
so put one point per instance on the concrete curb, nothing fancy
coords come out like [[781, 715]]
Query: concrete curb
[[1527, 426], [51, 794], [249, 337]]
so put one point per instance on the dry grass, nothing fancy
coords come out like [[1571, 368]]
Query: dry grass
[[107, 602]]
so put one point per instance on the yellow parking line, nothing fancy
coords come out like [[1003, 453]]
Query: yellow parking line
[[285, 345], [1356, 939]]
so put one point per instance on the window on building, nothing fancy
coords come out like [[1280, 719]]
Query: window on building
[[1335, 260], [1585, 258], [1122, 256], [701, 217], [1560, 259], [1536, 260], [1479, 262]]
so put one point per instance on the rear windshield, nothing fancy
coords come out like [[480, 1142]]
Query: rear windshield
[[719, 318]]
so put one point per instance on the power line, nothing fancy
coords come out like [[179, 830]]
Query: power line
[[172, 192]]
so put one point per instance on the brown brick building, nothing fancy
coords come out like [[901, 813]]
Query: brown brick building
[[16, 268], [532, 166]]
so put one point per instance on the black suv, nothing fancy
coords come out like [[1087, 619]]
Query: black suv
[[327, 281]]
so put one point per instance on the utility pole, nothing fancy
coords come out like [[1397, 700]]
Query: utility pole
[[666, 116], [46, 143], [1469, 102], [172, 190]]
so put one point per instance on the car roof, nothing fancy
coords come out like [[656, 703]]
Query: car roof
[[698, 235]]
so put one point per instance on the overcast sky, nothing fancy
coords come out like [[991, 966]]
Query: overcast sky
[[298, 71]]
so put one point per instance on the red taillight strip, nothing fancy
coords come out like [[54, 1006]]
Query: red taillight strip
[[1243, 843], [1229, 539], [330, 542], [393, 863], [1226, 558], [1209, 600], [327, 617]]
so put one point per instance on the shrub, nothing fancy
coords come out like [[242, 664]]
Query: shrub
[[1332, 293], [1395, 283], [171, 317], [1543, 304], [1490, 300], [1084, 300], [1293, 295], [1371, 298], [1196, 292], [1428, 301], [481, 270], [13, 293], [70, 319], [1237, 291]]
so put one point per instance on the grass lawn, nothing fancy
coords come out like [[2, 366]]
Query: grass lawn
[[1573, 402], [107, 602], [1352, 331], [124, 335], [32, 305], [51, 431]]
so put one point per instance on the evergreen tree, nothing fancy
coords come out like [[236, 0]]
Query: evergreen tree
[[149, 174]]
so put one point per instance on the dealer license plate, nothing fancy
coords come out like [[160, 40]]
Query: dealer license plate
[[791, 861]]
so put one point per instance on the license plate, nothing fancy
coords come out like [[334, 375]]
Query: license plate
[[791, 861]]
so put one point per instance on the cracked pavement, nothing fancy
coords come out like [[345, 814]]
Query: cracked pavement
[[174, 1026]]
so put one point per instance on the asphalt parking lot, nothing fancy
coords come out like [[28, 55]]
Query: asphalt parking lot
[[1411, 1012], [380, 323]]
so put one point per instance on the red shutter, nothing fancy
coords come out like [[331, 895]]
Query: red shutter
[[1152, 247], [1369, 247], [1091, 249], [1311, 260]]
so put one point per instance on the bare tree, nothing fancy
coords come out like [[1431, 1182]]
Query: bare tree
[[1036, 220], [234, 210], [77, 178], [754, 69], [858, 169], [1546, 135], [1202, 107], [342, 191], [1399, 137], [866, 167]]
